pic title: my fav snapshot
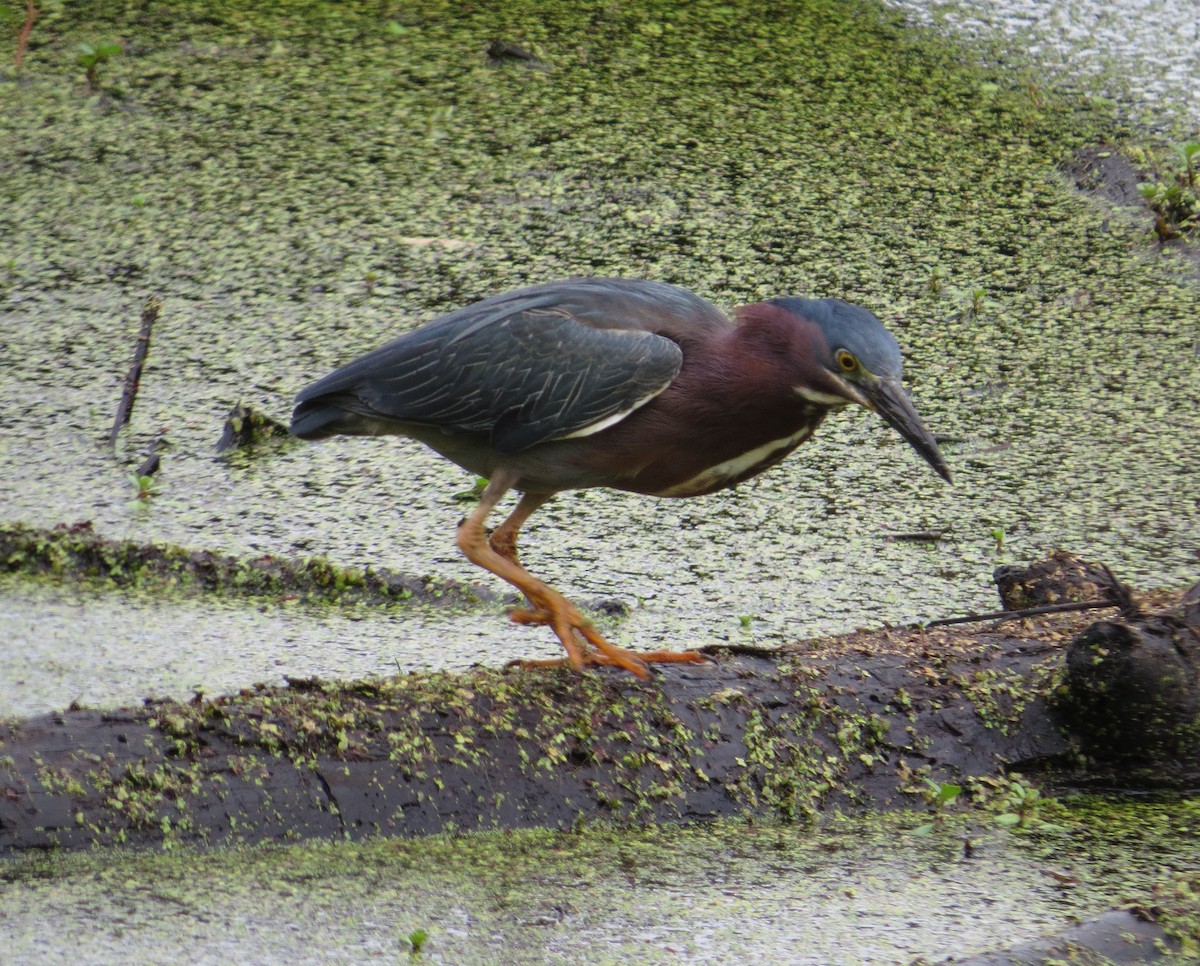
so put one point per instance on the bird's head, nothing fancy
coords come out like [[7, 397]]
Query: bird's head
[[854, 359]]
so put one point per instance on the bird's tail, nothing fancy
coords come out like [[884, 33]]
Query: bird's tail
[[319, 419]]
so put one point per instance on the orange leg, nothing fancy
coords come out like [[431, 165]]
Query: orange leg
[[584, 644], [504, 538]]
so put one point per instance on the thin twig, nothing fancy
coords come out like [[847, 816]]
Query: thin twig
[[133, 377], [916, 536], [31, 15], [1008, 615], [1121, 593]]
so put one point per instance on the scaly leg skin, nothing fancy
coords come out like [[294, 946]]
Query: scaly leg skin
[[499, 555], [504, 538]]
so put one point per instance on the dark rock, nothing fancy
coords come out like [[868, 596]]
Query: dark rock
[[1116, 937]]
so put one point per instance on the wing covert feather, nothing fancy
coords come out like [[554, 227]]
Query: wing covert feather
[[537, 365]]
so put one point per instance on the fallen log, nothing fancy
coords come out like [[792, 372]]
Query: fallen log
[[858, 722], [869, 720]]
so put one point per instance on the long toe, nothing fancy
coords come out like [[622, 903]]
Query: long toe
[[608, 653], [590, 658], [563, 618], [575, 631], [671, 657], [587, 646]]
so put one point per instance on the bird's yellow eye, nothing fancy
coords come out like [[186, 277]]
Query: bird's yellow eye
[[846, 360]]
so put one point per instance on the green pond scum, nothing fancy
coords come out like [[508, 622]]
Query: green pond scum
[[297, 181], [77, 553], [856, 890]]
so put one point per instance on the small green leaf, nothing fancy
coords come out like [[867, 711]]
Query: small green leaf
[[417, 939], [473, 493]]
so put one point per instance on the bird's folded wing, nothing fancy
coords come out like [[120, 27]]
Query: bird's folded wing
[[524, 371]]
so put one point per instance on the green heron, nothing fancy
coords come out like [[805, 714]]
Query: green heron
[[628, 384]]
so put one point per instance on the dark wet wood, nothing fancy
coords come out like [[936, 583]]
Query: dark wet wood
[[1133, 692]]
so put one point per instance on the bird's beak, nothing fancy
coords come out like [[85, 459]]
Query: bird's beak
[[888, 398]]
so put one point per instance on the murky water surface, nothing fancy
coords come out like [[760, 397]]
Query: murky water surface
[[855, 893]]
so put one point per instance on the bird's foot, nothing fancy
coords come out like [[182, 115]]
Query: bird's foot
[[588, 647]]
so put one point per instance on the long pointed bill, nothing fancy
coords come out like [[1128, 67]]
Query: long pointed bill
[[889, 399]]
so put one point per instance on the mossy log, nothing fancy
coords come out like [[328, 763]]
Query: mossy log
[[859, 721], [77, 552]]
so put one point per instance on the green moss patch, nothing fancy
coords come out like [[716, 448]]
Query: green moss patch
[[78, 553]]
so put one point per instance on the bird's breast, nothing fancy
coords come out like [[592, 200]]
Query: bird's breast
[[734, 470]]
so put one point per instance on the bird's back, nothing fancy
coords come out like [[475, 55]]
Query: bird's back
[[525, 367]]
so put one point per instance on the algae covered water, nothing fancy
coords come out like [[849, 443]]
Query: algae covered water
[[873, 891]]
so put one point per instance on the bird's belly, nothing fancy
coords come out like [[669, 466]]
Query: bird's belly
[[738, 468]]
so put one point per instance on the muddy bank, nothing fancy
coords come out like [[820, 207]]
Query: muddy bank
[[872, 720]]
